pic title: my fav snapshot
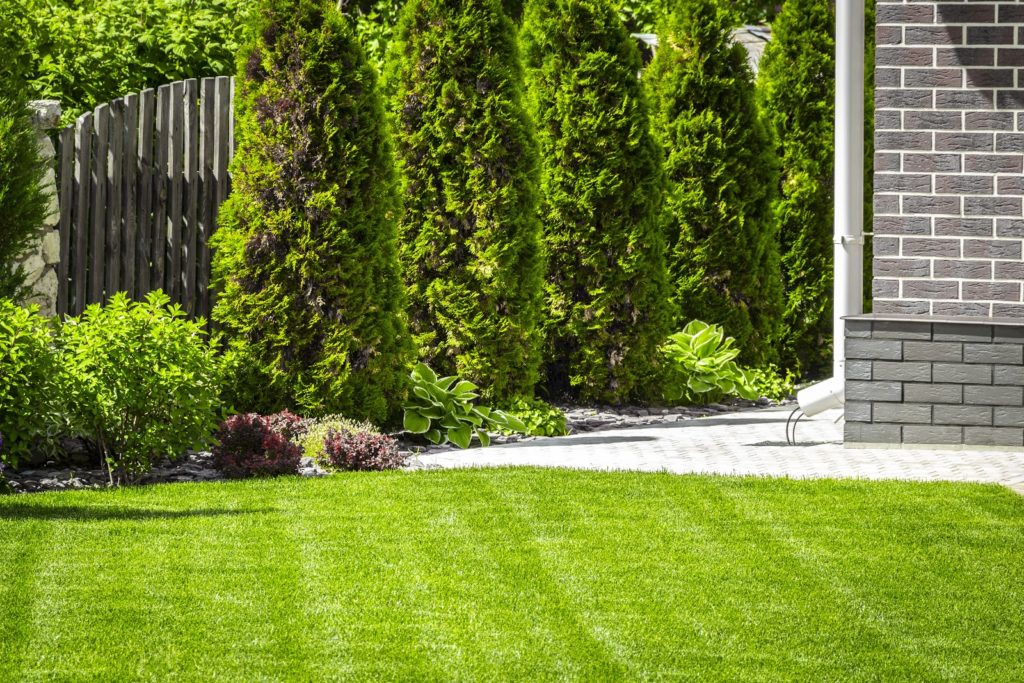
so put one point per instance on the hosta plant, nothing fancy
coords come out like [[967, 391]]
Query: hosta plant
[[442, 409], [701, 366]]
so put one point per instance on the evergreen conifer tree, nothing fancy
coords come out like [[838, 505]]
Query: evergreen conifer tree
[[470, 237], [306, 251], [602, 190], [796, 89], [722, 172]]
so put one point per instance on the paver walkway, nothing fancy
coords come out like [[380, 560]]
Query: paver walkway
[[745, 443]]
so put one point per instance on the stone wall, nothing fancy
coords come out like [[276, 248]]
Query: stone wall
[[934, 382], [949, 152], [41, 263]]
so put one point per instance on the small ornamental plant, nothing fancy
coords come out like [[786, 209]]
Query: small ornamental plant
[[251, 445], [360, 450]]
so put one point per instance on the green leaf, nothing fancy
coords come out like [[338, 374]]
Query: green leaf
[[435, 437], [461, 437], [485, 438], [415, 423]]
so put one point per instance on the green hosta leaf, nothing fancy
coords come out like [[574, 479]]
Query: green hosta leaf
[[450, 422], [697, 385], [435, 437], [461, 437], [485, 438], [422, 393], [463, 388], [415, 423], [423, 372]]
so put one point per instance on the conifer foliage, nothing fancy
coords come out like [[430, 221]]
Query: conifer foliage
[[306, 251], [470, 238], [797, 90], [724, 258], [602, 190]]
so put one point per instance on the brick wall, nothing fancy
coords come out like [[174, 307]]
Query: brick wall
[[931, 382], [949, 152]]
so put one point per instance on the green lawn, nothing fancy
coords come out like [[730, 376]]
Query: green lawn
[[514, 574]]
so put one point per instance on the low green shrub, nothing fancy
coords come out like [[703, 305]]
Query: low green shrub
[[140, 380], [442, 409], [317, 429], [538, 417], [252, 445], [700, 366], [30, 398], [772, 383]]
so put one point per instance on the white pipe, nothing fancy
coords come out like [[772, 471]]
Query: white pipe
[[848, 220]]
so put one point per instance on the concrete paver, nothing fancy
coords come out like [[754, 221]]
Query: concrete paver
[[746, 443]]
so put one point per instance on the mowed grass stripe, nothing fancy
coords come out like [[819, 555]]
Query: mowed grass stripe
[[514, 574]]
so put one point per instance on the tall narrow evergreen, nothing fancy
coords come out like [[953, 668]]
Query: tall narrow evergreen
[[607, 289], [797, 91], [470, 241], [306, 257], [724, 258]]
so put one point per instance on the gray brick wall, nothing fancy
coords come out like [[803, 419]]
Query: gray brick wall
[[934, 382], [949, 159]]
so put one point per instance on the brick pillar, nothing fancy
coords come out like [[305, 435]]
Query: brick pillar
[[940, 360]]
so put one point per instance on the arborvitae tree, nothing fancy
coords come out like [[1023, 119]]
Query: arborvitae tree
[[602, 190], [306, 252], [23, 205], [470, 240], [797, 94], [723, 251]]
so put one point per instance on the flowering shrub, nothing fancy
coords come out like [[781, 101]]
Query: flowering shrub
[[252, 445], [359, 450], [318, 429]]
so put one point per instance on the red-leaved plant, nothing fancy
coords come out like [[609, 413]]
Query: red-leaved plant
[[251, 445], [360, 450]]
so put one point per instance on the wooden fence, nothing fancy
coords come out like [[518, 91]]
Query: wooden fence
[[141, 180]]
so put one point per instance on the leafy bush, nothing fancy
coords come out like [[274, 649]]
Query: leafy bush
[[360, 450], [252, 445], [607, 286], [90, 51], [317, 429], [701, 367], [442, 410], [797, 88], [30, 394], [724, 257], [538, 418], [470, 243], [141, 381], [770, 382], [23, 205], [306, 256]]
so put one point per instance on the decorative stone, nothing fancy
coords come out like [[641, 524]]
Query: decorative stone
[[45, 113], [50, 248]]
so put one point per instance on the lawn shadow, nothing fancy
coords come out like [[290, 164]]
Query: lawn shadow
[[85, 513]]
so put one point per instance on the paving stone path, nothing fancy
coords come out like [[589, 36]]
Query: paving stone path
[[745, 443]]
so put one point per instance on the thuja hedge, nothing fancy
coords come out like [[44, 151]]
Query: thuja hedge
[[306, 257], [602, 190], [724, 257], [797, 87], [470, 236]]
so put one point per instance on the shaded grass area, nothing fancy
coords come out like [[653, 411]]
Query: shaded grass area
[[517, 574]]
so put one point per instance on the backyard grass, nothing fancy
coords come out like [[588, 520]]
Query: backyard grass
[[514, 574]]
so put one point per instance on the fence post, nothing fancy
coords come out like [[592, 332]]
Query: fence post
[[43, 260]]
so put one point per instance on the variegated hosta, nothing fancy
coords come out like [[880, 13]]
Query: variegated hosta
[[442, 409], [701, 365]]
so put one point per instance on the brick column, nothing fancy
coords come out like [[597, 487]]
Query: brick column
[[940, 360]]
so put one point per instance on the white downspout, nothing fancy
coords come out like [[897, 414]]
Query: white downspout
[[848, 221]]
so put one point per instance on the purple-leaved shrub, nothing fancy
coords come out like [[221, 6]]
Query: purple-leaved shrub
[[359, 450], [251, 445]]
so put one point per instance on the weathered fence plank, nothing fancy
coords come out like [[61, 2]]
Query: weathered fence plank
[[66, 198], [161, 183], [190, 230], [147, 173], [115, 205], [130, 178], [141, 182], [97, 240], [82, 210]]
